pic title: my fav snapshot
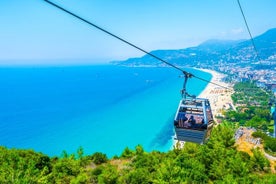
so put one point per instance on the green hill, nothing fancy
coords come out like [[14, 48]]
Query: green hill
[[213, 52]]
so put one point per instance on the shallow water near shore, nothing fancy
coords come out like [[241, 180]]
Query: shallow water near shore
[[99, 108]]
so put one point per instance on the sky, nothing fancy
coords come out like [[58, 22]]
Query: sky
[[34, 32]]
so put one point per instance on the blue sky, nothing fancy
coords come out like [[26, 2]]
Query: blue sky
[[32, 31]]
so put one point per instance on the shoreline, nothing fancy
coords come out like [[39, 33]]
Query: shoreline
[[219, 97]]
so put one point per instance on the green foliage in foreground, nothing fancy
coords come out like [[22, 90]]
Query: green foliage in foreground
[[217, 161]]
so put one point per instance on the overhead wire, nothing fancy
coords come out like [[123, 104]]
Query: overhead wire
[[249, 32], [133, 45], [251, 37]]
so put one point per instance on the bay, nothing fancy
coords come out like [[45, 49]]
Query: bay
[[103, 108]]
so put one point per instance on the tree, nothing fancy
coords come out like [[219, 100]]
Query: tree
[[259, 162], [138, 176], [139, 150], [127, 153], [109, 175], [270, 144], [99, 158]]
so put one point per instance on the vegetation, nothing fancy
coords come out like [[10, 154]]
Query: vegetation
[[252, 109], [247, 93], [269, 142], [218, 161]]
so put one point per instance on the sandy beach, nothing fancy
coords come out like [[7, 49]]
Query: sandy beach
[[219, 97]]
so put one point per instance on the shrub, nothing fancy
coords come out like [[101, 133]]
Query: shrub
[[99, 158]]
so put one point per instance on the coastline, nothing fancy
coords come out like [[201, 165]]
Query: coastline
[[219, 97]]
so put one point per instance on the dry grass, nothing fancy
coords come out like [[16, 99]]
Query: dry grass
[[120, 163], [245, 146]]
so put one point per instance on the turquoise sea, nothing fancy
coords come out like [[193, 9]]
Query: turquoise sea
[[103, 108]]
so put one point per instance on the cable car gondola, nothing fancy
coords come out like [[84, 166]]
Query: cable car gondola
[[193, 120]]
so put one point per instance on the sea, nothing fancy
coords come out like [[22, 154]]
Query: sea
[[99, 108]]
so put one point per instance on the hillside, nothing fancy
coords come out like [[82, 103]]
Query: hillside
[[218, 161], [214, 51]]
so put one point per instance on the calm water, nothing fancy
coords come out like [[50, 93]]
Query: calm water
[[101, 108]]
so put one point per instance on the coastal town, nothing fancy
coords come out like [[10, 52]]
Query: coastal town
[[264, 77]]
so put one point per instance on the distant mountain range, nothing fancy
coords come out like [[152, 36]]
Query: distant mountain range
[[214, 52]]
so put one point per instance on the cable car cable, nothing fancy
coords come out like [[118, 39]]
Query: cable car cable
[[113, 35], [131, 44], [249, 32]]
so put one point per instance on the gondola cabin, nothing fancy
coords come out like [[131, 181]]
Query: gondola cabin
[[193, 121]]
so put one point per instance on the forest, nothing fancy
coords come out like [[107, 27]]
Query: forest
[[217, 161]]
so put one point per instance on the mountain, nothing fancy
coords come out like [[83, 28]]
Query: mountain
[[214, 52], [218, 45]]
